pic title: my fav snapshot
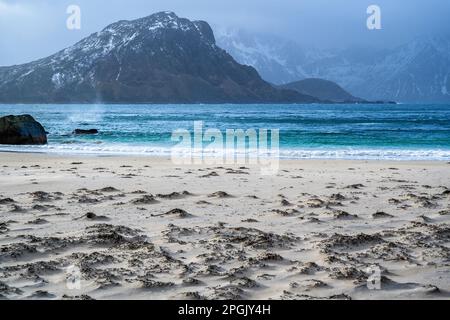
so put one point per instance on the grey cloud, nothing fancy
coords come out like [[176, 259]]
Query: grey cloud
[[31, 29]]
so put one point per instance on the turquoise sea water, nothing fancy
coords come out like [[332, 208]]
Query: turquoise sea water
[[402, 132]]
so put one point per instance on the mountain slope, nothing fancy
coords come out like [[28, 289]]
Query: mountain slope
[[276, 59], [322, 89], [418, 71], [157, 59]]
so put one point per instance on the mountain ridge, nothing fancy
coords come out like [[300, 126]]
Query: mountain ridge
[[325, 90], [160, 58], [418, 71]]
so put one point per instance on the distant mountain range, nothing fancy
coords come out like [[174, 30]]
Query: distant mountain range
[[163, 58], [418, 71], [157, 59]]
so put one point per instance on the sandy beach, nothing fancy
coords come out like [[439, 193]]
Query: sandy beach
[[144, 228]]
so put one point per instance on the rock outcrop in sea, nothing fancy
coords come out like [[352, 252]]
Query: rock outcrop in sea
[[83, 131], [21, 130]]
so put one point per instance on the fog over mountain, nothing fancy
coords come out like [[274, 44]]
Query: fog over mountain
[[417, 71], [33, 29]]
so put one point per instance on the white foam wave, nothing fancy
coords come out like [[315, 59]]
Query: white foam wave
[[294, 153]]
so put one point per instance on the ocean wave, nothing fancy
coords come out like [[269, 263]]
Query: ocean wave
[[283, 153]]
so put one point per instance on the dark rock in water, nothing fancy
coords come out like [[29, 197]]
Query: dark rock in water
[[82, 131], [21, 130]]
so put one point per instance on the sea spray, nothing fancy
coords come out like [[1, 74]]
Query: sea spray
[[86, 114]]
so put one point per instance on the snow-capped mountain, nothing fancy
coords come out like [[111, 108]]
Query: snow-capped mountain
[[415, 72], [160, 58]]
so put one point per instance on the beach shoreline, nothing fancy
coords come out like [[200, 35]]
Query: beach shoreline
[[168, 158], [127, 227]]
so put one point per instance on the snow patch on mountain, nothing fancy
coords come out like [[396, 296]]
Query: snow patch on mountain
[[58, 80]]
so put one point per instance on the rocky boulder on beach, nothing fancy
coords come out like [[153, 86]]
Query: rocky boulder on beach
[[21, 130]]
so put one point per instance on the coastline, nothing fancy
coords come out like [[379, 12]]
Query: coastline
[[94, 155], [388, 155], [402, 132]]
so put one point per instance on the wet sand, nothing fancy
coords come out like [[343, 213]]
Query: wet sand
[[144, 228]]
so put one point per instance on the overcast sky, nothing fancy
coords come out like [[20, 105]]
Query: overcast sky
[[32, 29]]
